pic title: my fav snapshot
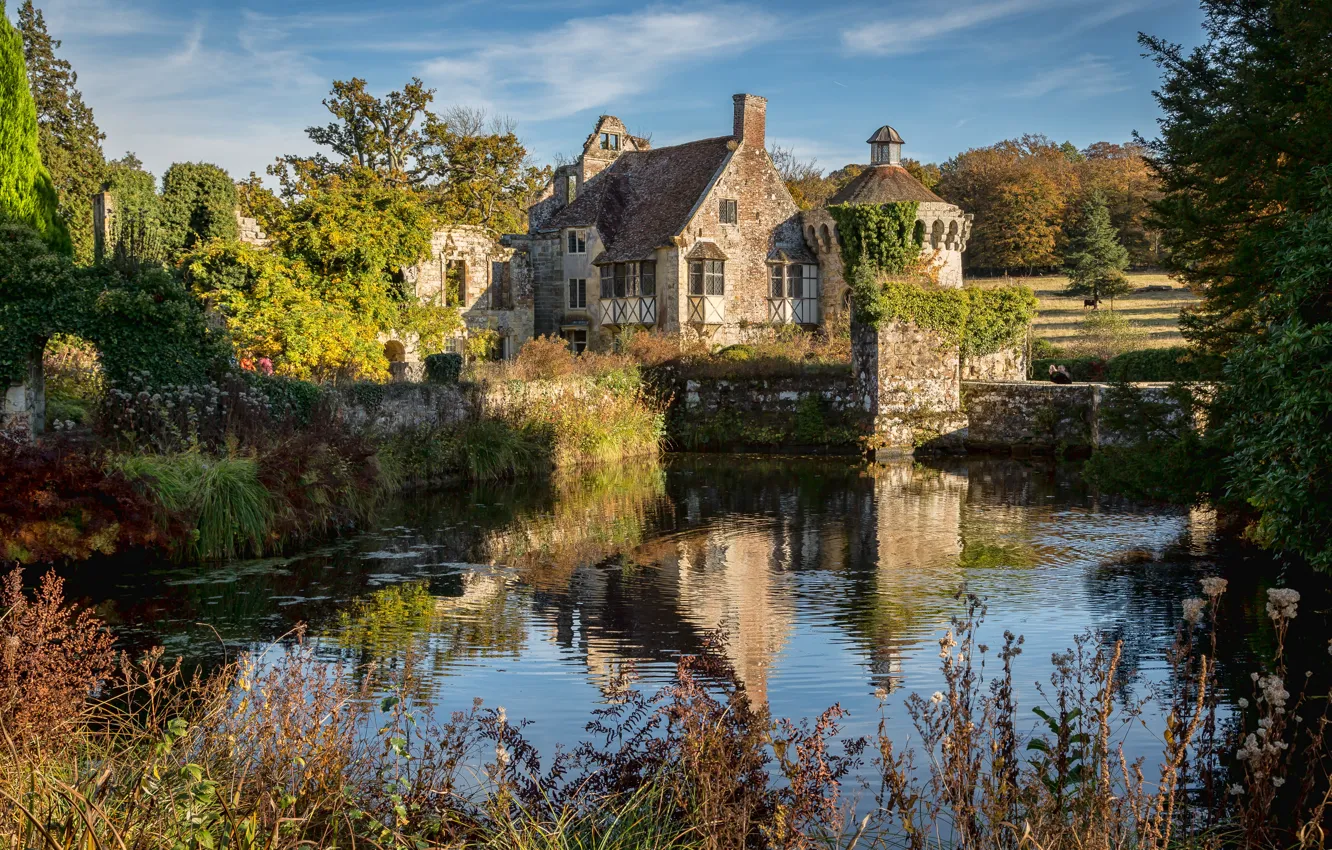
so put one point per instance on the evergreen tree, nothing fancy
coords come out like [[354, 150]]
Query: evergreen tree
[[27, 194], [198, 206], [1095, 260], [1248, 116], [68, 137]]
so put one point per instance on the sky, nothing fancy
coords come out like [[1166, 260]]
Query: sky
[[237, 84]]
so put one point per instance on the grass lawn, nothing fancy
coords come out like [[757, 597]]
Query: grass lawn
[[1156, 312]]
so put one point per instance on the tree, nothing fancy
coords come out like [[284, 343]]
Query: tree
[[928, 173], [1274, 408], [1246, 120], [803, 177], [1095, 261], [1123, 175], [198, 206], [68, 136], [27, 194], [1018, 191], [470, 169], [334, 281]]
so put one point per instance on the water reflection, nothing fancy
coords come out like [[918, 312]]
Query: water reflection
[[831, 579]]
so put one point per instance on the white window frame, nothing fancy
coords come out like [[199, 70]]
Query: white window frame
[[577, 242]]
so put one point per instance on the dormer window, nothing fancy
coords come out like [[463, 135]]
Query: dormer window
[[577, 242], [610, 141], [728, 211]]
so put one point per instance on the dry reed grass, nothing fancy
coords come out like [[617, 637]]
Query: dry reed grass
[[296, 753]]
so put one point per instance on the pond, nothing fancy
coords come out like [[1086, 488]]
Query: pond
[[831, 580]]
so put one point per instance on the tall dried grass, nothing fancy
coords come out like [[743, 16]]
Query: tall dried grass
[[296, 753]]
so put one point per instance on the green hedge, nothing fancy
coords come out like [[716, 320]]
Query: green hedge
[[443, 368], [1177, 363]]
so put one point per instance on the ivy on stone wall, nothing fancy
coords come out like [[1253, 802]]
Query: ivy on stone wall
[[880, 237], [978, 321], [881, 253]]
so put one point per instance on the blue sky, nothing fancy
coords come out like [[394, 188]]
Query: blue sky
[[206, 80]]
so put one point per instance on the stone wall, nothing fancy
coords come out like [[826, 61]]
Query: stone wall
[[763, 396], [1044, 416], [23, 408], [1009, 364], [907, 380], [383, 410]]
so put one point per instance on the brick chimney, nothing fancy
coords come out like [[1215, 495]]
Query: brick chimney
[[751, 116]]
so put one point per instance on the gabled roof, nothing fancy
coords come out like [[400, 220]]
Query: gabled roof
[[706, 251], [884, 184], [645, 198]]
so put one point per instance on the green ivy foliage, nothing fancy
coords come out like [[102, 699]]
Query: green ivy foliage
[[444, 368], [878, 237], [40, 296], [978, 321], [27, 194], [198, 206], [146, 322]]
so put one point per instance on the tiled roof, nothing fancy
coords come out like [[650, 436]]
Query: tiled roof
[[883, 184], [706, 251], [645, 197]]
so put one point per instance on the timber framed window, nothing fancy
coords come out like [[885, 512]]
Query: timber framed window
[[608, 281], [577, 242], [577, 293], [707, 277], [728, 211]]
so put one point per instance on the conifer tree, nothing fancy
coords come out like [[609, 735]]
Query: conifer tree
[[68, 136], [1095, 260], [27, 194]]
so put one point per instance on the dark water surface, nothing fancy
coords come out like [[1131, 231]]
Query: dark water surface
[[832, 579]]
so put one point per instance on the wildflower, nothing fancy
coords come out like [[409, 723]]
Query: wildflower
[[1243, 703], [1237, 790], [1193, 610], [1298, 719], [501, 716], [501, 755], [937, 697], [1274, 691], [1212, 586], [1277, 781], [1281, 603]]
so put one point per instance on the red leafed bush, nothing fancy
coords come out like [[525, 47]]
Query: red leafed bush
[[58, 503], [322, 479], [52, 657]]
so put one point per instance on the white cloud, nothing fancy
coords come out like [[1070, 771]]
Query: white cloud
[[898, 34], [1088, 76], [590, 62]]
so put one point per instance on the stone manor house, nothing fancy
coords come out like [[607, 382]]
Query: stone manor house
[[699, 237]]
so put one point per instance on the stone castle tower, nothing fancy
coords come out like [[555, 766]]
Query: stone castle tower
[[942, 227]]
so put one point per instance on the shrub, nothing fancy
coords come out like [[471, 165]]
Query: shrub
[[61, 504], [287, 398], [1105, 333], [319, 479], [544, 358], [443, 368], [1177, 363], [1079, 368], [54, 656], [1043, 349]]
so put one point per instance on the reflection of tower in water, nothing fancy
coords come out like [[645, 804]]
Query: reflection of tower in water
[[911, 548]]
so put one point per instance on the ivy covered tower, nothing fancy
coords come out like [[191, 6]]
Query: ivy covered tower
[[942, 228], [908, 377]]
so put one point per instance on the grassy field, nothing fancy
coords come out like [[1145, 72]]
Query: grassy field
[[1156, 312]]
